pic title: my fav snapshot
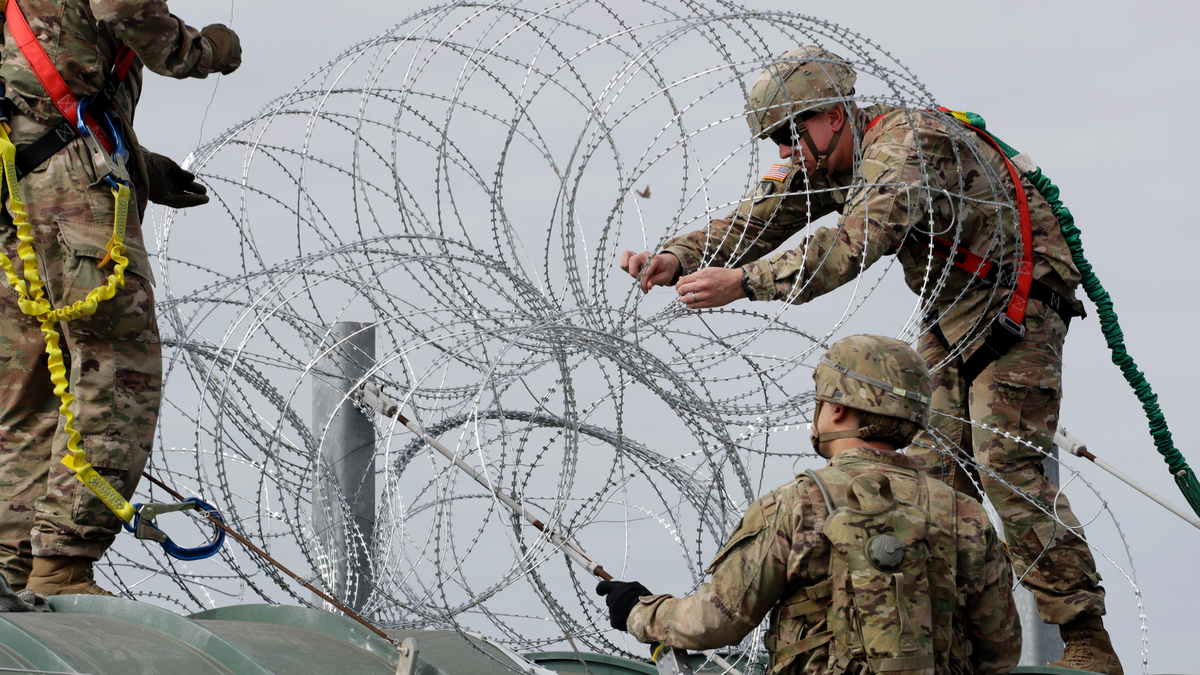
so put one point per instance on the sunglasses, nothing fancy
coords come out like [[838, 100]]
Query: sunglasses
[[784, 135]]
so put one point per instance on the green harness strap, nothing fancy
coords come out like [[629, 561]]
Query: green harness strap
[[1185, 478]]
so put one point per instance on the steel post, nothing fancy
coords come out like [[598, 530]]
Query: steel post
[[1040, 643], [343, 511]]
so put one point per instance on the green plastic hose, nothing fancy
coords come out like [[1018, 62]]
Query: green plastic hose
[[1185, 478]]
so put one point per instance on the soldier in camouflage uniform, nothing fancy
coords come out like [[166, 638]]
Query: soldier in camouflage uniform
[[52, 528], [912, 162], [782, 560]]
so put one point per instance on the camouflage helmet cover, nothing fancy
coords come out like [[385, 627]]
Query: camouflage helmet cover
[[801, 80], [876, 374]]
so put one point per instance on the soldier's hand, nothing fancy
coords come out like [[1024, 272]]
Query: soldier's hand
[[620, 596], [661, 272], [171, 185], [226, 48], [710, 287]]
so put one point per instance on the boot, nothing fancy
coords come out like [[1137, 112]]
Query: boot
[[1086, 647], [63, 575]]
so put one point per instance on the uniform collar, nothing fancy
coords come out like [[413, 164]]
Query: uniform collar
[[841, 183], [837, 185], [866, 454]]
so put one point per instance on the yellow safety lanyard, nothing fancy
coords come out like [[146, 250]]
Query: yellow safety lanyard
[[32, 301]]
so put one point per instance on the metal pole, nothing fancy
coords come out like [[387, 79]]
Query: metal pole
[[345, 482], [1040, 642], [1064, 440]]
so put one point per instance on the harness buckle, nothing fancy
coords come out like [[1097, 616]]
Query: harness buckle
[[1012, 327]]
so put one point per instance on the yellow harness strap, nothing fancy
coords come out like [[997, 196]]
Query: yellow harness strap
[[32, 301]]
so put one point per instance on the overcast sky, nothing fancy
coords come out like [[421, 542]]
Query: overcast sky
[[1099, 93]]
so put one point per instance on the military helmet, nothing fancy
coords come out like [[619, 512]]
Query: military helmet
[[806, 79], [881, 377]]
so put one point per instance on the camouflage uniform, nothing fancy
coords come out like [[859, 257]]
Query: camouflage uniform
[[779, 548], [114, 358], [908, 159]]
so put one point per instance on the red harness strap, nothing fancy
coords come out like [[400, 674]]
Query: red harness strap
[[1020, 296], [964, 259], [49, 76], [125, 57], [961, 258]]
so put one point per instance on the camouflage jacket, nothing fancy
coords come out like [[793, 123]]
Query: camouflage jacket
[[779, 548], [913, 168], [82, 38]]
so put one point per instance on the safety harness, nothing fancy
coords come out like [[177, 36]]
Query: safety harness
[[1009, 326], [109, 156], [1185, 477], [58, 137]]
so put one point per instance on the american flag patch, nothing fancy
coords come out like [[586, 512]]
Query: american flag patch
[[778, 172]]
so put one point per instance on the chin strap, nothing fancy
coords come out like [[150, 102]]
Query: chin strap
[[849, 433], [817, 438], [822, 157]]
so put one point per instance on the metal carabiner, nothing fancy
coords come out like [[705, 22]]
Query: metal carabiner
[[143, 527], [107, 166]]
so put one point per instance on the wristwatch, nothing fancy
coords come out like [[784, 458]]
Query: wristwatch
[[746, 287]]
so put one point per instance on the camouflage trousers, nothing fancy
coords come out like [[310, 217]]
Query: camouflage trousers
[[1018, 393], [114, 363]]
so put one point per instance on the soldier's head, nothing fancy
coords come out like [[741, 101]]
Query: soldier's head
[[881, 378], [798, 103]]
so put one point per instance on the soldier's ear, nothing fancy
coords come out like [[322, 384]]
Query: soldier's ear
[[845, 417], [838, 414], [837, 117]]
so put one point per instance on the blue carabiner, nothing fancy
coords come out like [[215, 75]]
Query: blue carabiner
[[174, 550], [120, 150], [199, 552]]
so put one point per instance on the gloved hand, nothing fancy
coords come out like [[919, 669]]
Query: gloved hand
[[171, 185], [226, 48], [620, 596]]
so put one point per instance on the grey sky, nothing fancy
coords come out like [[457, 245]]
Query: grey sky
[[1098, 93]]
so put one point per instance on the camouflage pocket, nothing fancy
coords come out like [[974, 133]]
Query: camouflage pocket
[[1030, 376], [1066, 556], [90, 240], [1016, 408], [129, 315], [753, 522]]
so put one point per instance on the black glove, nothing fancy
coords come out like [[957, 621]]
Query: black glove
[[170, 185], [620, 596], [226, 48]]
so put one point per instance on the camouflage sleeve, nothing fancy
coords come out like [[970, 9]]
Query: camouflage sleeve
[[765, 218], [164, 43], [990, 612], [876, 217], [749, 576]]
